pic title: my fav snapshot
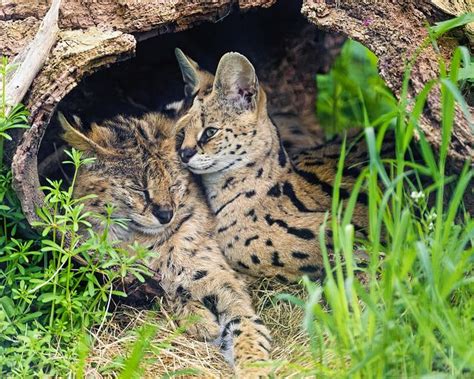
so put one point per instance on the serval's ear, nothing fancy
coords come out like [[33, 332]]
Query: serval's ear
[[77, 139], [236, 82], [190, 71]]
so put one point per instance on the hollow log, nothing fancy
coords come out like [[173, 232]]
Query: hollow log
[[95, 35]]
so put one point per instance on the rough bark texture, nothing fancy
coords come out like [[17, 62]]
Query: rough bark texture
[[32, 58], [394, 30], [96, 34]]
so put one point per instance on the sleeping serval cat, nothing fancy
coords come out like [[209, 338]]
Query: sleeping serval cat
[[268, 208], [137, 169]]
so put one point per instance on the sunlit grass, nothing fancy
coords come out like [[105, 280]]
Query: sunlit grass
[[413, 316]]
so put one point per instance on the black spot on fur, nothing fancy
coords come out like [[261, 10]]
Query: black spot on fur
[[288, 144], [228, 182], [276, 260], [95, 203], [243, 265], [299, 255], [251, 214], [224, 228], [313, 179], [227, 203], [282, 278], [295, 130], [250, 194], [199, 274], [290, 193], [282, 156], [281, 151], [266, 336], [210, 302], [255, 259], [269, 242], [248, 241], [302, 233], [234, 321], [224, 345], [259, 172], [274, 191], [264, 347], [310, 269], [182, 221], [228, 286], [183, 293]]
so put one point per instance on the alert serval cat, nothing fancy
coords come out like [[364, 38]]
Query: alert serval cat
[[137, 169], [268, 208]]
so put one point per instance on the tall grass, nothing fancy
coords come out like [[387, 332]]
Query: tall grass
[[413, 316]]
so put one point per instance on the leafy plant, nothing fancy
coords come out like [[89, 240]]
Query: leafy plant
[[352, 86], [47, 300], [409, 312]]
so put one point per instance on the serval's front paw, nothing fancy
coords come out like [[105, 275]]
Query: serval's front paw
[[200, 323], [203, 330]]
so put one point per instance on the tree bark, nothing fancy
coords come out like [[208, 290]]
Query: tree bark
[[32, 58]]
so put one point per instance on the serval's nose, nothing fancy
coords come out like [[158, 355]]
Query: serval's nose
[[187, 153], [164, 214]]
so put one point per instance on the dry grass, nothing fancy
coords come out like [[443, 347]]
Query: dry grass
[[171, 351]]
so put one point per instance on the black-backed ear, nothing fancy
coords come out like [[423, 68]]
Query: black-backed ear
[[189, 70], [78, 139], [236, 82]]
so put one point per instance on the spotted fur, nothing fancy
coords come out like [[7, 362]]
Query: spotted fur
[[268, 208], [138, 171]]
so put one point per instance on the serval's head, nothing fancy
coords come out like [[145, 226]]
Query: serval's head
[[136, 169], [225, 125]]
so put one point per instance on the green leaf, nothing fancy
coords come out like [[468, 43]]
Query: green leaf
[[8, 306], [444, 26], [49, 297]]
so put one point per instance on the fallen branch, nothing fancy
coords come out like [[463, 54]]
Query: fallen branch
[[32, 58]]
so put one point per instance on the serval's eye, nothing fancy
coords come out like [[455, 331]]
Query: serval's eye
[[135, 188], [209, 132]]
